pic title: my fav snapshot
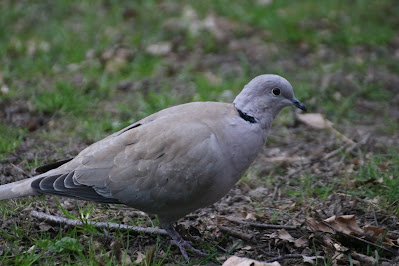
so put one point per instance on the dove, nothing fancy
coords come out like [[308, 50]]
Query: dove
[[172, 162]]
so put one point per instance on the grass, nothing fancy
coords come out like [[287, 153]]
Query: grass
[[377, 179], [66, 60], [10, 139]]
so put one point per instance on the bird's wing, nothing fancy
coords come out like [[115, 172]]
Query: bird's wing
[[161, 160]]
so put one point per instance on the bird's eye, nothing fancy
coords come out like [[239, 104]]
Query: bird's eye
[[276, 92]]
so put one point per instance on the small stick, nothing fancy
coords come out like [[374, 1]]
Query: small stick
[[100, 225], [297, 214], [259, 225], [375, 218], [19, 169], [276, 187], [286, 256], [234, 233]]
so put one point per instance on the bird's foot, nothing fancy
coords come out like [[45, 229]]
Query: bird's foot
[[182, 244]]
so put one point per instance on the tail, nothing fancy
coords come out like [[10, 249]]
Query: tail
[[18, 189]]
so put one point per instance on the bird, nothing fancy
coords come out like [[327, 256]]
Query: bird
[[172, 162]]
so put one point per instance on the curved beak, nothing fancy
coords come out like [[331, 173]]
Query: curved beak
[[299, 104]]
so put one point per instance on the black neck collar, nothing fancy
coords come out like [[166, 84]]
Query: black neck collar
[[246, 117]]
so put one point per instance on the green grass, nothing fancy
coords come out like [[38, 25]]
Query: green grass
[[378, 179], [10, 138], [329, 22]]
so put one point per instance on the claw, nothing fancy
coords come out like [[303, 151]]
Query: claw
[[182, 244]]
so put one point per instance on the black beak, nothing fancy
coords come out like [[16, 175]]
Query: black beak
[[299, 105]]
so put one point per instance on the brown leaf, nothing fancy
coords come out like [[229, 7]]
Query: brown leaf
[[301, 242], [318, 226], [251, 216], [237, 261], [346, 224], [374, 234], [284, 235]]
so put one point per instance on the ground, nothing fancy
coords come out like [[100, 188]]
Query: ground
[[74, 72]]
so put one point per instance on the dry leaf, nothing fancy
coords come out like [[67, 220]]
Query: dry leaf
[[237, 261], [312, 259], [301, 242], [346, 224], [251, 216], [375, 234], [125, 258], [284, 235], [317, 226], [315, 120], [340, 248], [140, 257], [287, 206]]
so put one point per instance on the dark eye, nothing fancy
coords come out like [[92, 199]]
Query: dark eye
[[276, 91]]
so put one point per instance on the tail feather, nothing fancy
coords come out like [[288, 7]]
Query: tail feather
[[18, 189]]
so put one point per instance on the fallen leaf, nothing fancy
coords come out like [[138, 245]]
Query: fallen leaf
[[140, 257], [311, 259], [373, 233], [125, 258], [284, 235], [340, 248], [301, 242], [346, 224], [318, 226], [315, 120], [237, 261], [251, 216]]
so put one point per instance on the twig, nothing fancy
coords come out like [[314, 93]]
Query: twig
[[358, 144], [9, 160], [235, 233], [259, 225], [100, 225], [335, 152], [341, 136], [297, 214], [366, 260], [276, 187], [375, 218], [19, 169], [286, 256]]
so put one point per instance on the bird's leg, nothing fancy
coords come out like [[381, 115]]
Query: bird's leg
[[181, 243]]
